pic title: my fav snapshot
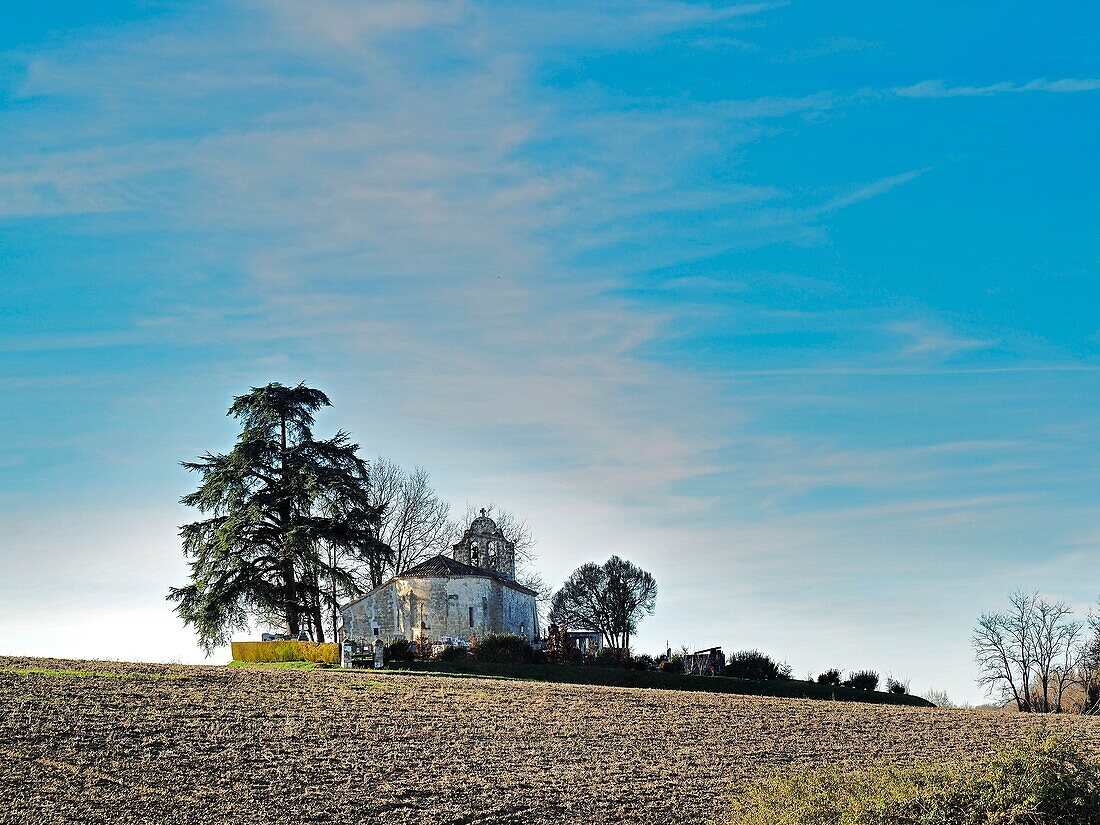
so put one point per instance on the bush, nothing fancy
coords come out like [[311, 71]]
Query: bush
[[610, 657], [503, 647], [862, 680], [644, 662], [674, 664], [285, 651], [896, 686], [829, 677], [454, 654], [557, 648], [752, 664], [398, 650], [1042, 781], [422, 647]]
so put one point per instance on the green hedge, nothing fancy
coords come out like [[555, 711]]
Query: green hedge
[[1043, 781], [618, 677]]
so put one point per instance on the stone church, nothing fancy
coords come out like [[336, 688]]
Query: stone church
[[469, 593]]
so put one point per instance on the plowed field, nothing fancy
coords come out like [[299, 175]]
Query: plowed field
[[175, 744]]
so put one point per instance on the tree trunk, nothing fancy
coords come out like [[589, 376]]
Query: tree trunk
[[318, 620], [332, 581], [290, 583]]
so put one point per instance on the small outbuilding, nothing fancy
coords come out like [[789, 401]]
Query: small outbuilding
[[708, 662], [588, 642]]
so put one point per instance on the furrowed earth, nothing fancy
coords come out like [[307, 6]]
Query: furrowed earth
[[98, 742]]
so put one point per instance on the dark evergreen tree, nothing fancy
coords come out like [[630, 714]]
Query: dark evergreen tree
[[289, 521]]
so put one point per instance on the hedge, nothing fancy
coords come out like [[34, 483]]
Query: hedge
[[619, 677], [289, 651]]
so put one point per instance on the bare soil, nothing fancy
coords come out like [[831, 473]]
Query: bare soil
[[185, 744]]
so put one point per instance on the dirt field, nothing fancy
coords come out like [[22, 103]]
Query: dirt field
[[173, 744]]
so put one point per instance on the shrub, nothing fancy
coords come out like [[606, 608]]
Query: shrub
[[673, 664], [454, 654], [862, 680], [752, 664], [285, 651], [1044, 780], [896, 686], [644, 662], [503, 647], [422, 647], [829, 677], [611, 657], [397, 650], [557, 647]]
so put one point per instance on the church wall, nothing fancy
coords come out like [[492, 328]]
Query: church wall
[[518, 612], [447, 604]]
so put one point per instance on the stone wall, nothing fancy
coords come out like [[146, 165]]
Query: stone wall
[[490, 552], [445, 607]]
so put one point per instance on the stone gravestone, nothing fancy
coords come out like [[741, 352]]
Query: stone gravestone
[[378, 648]]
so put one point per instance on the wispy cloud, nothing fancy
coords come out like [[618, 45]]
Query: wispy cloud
[[930, 339], [834, 45], [432, 208], [940, 88], [870, 190]]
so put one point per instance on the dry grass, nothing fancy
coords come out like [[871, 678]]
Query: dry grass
[[240, 745]]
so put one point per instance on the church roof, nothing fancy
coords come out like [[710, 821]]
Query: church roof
[[444, 567]]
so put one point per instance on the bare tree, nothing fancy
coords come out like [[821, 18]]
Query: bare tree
[[1088, 665], [1030, 653], [1001, 652], [1057, 643], [415, 522], [939, 698]]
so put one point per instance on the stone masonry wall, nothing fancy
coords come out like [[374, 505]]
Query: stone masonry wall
[[444, 606]]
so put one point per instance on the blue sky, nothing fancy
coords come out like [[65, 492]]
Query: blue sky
[[794, 304]]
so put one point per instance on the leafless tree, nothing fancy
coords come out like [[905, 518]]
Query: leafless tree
[[1089, 665], [1030, 653], [939, 698], [1003, 652], [1057, 642], [416, 523]]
